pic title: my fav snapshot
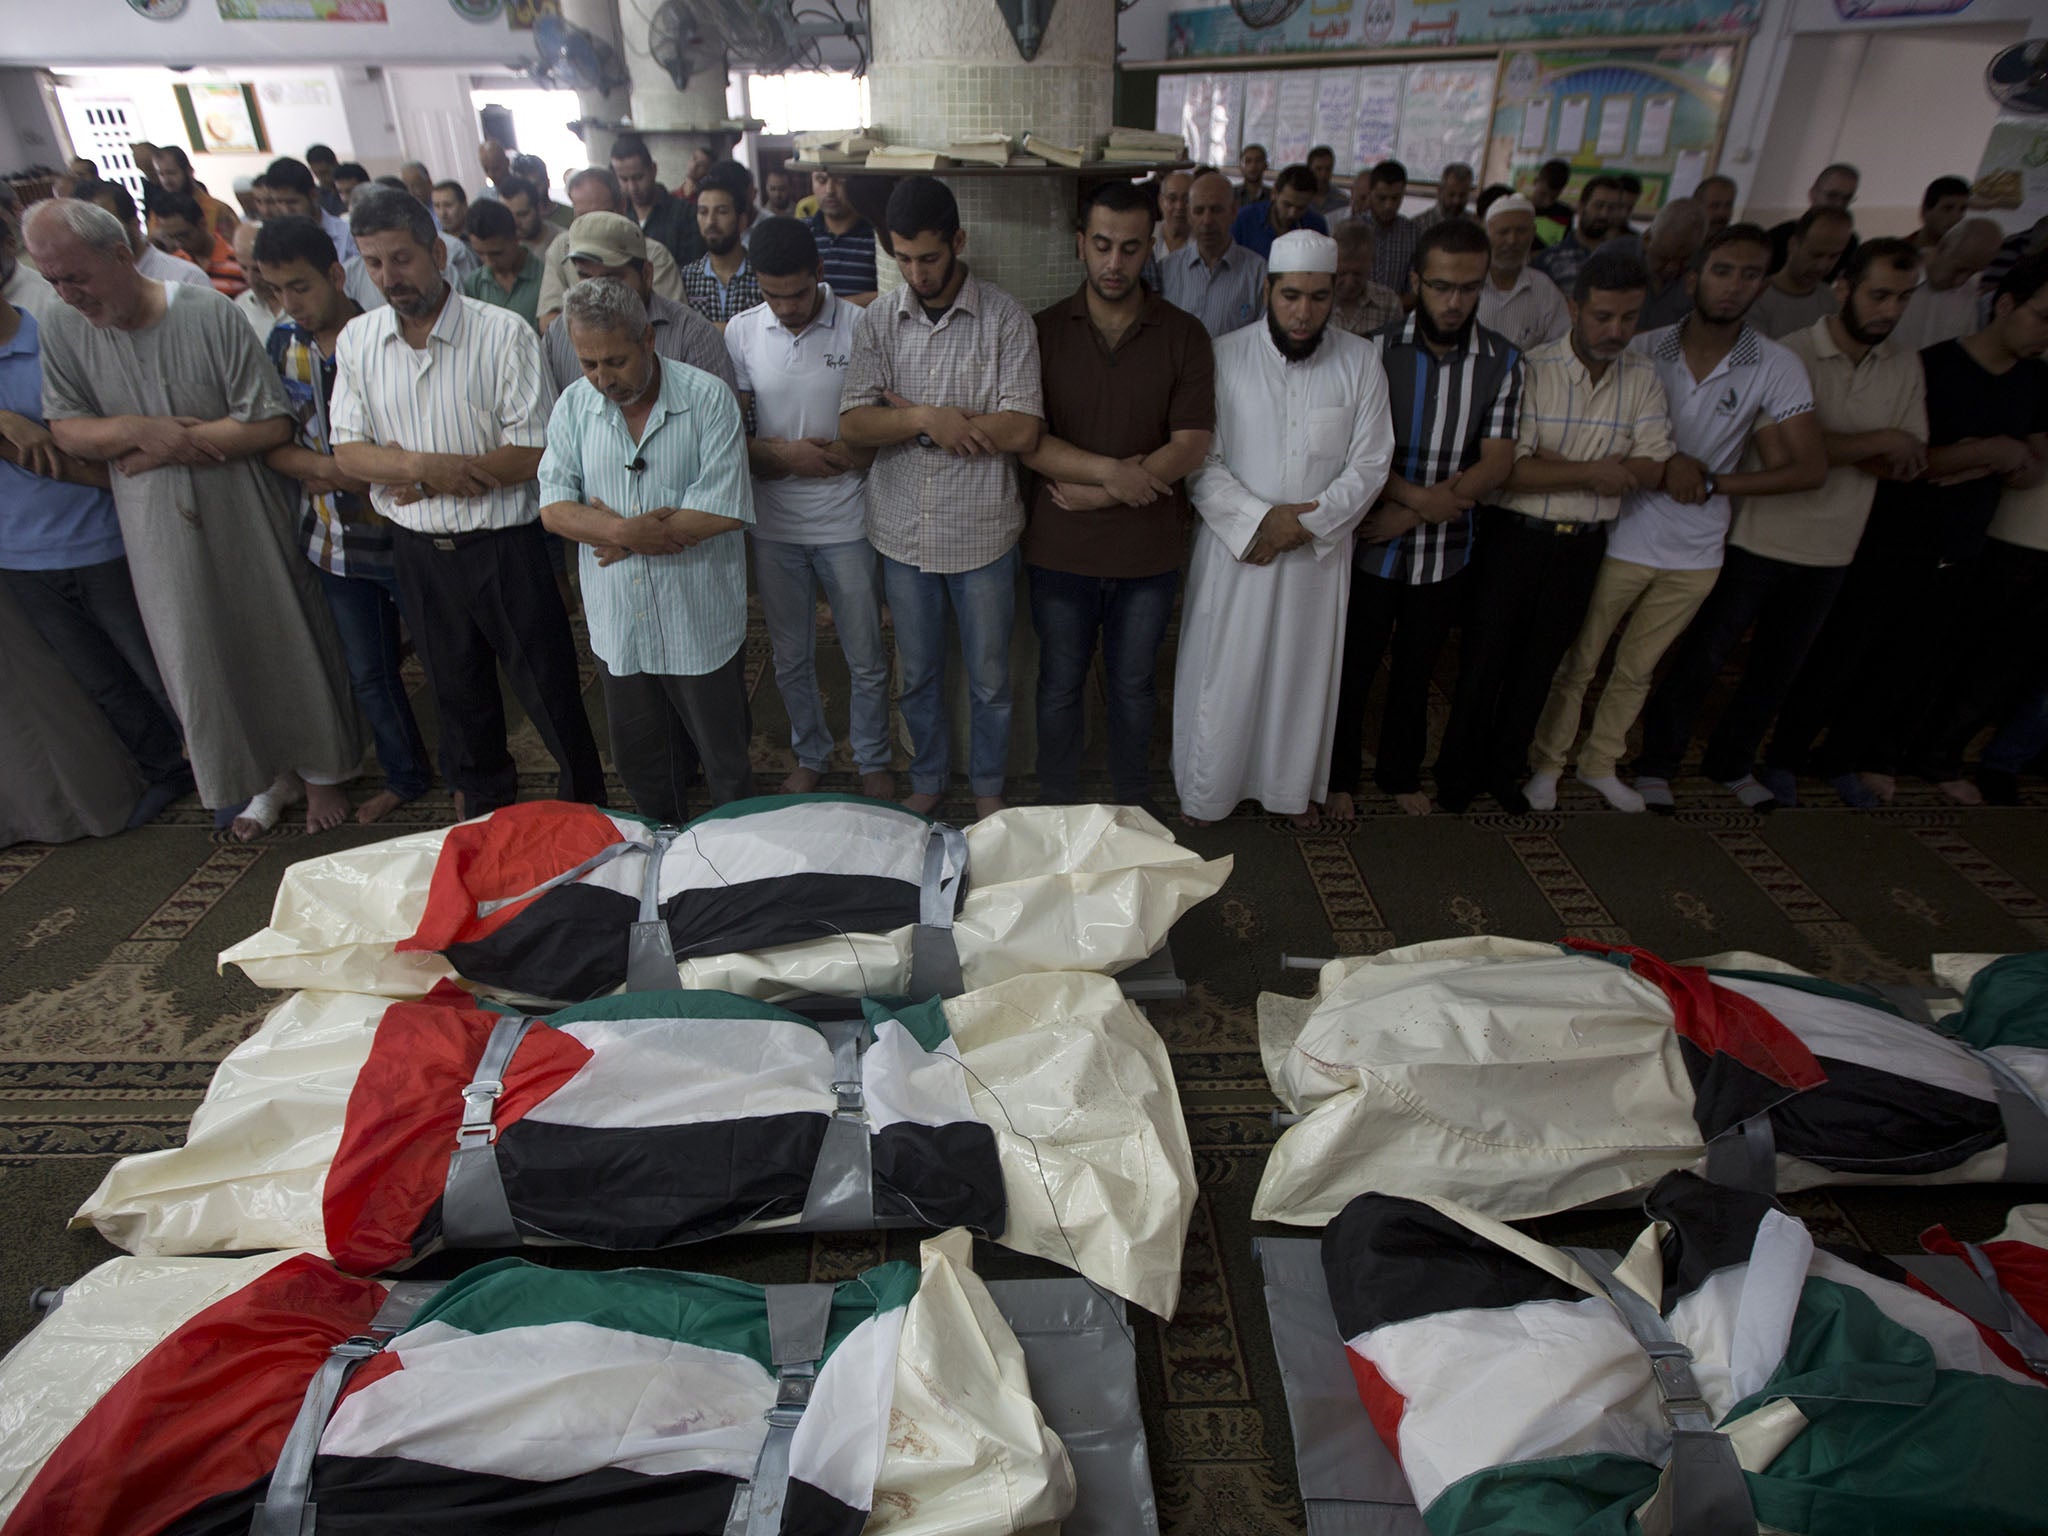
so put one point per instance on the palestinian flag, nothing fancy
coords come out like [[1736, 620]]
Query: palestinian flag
[[773, 898], [1516, 1399], [2018, 1255], [2005, 1012], [1523, 1079], [749, 875], [520, 1399], [1040, 1112], [645, 1120]]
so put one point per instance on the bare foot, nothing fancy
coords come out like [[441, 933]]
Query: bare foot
[[879, 785], [263, 810], [1415, 803], [326, 806], [1194, 821], [1882, 785], [801, 781], [377, 807], [922, 803], [1341, 807], [1308, 820], [1962, 791], [988, 805]]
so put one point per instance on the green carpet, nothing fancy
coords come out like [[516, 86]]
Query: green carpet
[[112, 1016]]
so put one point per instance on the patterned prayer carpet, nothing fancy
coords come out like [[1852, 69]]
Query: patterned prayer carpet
[[112, 1018]]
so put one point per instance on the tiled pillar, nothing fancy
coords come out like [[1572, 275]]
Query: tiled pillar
[[600, 18], [944, 68], [674, 122]]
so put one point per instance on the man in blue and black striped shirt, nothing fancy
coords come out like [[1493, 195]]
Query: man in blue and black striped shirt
[[846, 241], [1456, 393]]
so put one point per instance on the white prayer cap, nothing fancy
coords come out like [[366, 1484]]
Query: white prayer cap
[[1303, 250], [1514, 202]]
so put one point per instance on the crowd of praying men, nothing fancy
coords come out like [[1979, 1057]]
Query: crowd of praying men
[[248, 460]]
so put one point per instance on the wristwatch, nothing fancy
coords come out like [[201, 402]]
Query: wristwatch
[[1713, 481]]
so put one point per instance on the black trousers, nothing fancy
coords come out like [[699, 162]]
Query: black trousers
[[664, 729], [1529, 590], [1998, 655], [478, 602], [1869, 680], [1408, 625], [88, 616], [1788, 604]]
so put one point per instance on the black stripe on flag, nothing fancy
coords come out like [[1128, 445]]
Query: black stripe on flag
[[1388, 1260], [390, 1496], [1713, 1227], [757, 914], [569, 944], [1864, 1119], [944, 1175]]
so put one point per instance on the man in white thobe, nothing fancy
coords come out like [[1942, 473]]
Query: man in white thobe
[[1302, 446]]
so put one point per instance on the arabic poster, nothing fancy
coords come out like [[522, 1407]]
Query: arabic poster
[[1445, 110], [1261, 109], [1296, 132], [1377, 130], [2012, 178], [1336, 105], [1676, 96], [1226, 118], [1216, 31], [1171, 106]]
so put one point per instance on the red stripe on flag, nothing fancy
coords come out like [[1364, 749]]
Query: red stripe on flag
[[203, 1413], [1383, 1405], [509, 851], [403, 1113], [2022, 1273], [1720, 1020]]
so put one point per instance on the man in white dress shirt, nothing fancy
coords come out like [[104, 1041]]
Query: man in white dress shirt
[[1519, 302], [441, 403], [1302, 447]]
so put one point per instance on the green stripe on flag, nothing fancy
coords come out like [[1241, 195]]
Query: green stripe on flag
[[675, 1005], [708, 1311], [2007, 1004], [1589, 1495], [925, 1022], [763, 803]]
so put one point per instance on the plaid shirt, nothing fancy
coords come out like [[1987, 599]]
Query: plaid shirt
[[343, 533], [927, 508], [719, 302], [1443, 409], [1379, 308]]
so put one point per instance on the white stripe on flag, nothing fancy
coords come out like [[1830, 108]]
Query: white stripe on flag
[[838, 1444], [648, 1072], [906, 1082]]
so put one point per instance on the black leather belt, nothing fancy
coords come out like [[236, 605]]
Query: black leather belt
[[1545, 525]]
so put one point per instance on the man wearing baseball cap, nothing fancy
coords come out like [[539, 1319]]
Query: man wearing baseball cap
[[611, 245]]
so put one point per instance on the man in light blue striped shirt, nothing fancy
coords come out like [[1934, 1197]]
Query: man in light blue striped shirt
[[646, 467]]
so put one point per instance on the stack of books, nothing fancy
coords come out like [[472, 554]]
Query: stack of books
[[840, 146], [1141, 146], [1069, 155], [906, 157], [981, 149]]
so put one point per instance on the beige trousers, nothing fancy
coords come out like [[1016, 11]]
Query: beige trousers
[[1657, 606]]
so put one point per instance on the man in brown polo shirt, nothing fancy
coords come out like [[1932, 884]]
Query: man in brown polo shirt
[[1130, 402]]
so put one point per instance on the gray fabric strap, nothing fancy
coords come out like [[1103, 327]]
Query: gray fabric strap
[[1745, 1156], [1708, 1495], [602, 856], [285, 1510], [798, 1318], [841, 1197], [2018, 1328], [650, 950], [2026, 1121], [474, 1211], [934, 956]]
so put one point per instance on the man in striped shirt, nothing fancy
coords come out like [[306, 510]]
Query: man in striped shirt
[[944, 383], [846, 241], [441, 404], [348, 543], [646, 468], [1456, 393], [610, 245], [722, 284]]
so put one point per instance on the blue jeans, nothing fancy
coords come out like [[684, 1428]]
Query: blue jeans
[[365, 610], [789, 576], [1130, 614], [984, 604]]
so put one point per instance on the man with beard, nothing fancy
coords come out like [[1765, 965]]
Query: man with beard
[[1453, 197], [348, 544], [1130, 405], [1728, 388], [944, 385], [1302, 444], [596, 190], [1212, 277], [1599, 218], [165, 384], [1716, 197], [666, 220], [451, 212], [723, 283], [441, 404], [646, 468], [1594, 427], [1787, 557], [1882, 679], [1376, 203], [1519, 302], [778, 196], [1259, 224], [529, 214], [1455, 390]]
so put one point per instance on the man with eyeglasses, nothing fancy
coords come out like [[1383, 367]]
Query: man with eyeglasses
[[1456, 393]]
